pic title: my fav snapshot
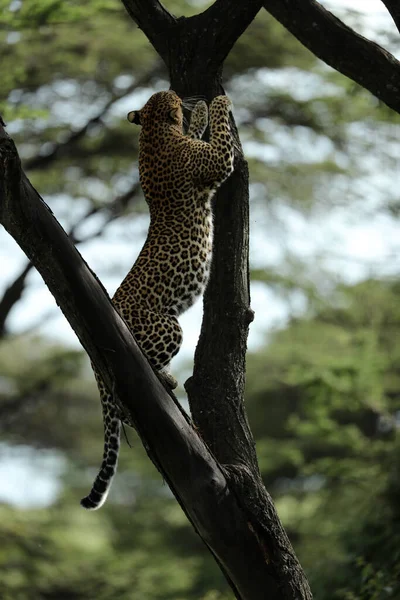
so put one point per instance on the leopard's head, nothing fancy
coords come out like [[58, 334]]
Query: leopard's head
[[163, 108]]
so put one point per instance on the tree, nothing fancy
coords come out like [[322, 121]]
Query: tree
[[195, 64]]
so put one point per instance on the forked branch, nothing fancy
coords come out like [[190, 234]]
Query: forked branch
[[216, 29]]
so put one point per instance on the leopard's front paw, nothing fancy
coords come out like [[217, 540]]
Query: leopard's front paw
[[223, 101]]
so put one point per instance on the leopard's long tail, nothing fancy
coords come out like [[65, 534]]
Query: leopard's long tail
[[103, 481]]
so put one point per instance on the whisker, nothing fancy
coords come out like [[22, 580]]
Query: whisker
[[185, 123]]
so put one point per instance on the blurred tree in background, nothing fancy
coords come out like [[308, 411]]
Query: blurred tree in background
[[323, 388]]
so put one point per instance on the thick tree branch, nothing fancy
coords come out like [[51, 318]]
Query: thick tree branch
[[216, 390], [394, 9], [175, 448], [363, 61]]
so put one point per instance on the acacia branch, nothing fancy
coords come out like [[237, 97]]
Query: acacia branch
[[216, 389], [363, 61], [176, 449]]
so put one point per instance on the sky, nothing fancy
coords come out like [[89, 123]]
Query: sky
[[363, 6], [361, 245]]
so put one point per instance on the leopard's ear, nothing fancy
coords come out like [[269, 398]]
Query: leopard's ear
[[173, 114], [134, 117]]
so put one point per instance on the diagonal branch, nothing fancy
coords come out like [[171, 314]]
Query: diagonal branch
[[394, 9], [194, 476], [363, 61]]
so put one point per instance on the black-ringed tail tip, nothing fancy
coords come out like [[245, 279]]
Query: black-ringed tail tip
[[97, 497]]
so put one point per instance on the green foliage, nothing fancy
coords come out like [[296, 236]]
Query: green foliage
[[266, 44], [39, 13], [324, 399], [75, 557]]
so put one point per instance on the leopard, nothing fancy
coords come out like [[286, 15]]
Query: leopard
[[179, 174]]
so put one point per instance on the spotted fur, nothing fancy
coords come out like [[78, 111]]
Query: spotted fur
[[179, 175]]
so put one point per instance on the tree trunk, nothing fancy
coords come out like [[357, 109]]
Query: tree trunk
[[193, 50]]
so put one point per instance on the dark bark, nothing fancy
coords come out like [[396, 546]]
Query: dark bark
[[363, 61]]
